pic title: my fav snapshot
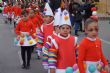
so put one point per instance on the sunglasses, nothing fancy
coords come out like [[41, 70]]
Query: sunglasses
[[95, 29]]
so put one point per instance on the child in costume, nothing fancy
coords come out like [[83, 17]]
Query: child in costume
[[17, 14], [91, 58], [5, 13], [35, 21], [10, 13], [50, 38], [25, 30], [46, 29], [62, 53]]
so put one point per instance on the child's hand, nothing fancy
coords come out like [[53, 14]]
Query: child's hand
[[107, 68]]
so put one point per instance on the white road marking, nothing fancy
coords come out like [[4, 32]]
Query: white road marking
[[20, 59], [107, 42]]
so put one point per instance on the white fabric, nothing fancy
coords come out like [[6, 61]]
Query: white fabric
[[17, 21], [91, 39], [51, 23], [94, 13], [48, 11], [64, 37], [93, 63], [63, 71], [26, 42], [45, 67], [5, 3], [53, 42], [76, 39], [42, 28], [37, 30], [5, 15], [13, 16], [63, 20], [38, 52], [60, 71], [57, 17], [54, 33]]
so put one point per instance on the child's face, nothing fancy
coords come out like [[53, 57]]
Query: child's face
[[92, 30], [65, 30], [48, 19], [31, 13], [25, 18], [57, 30]]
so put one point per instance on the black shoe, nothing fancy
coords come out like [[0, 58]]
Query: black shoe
[[38, 57], [6, 22], [23, 66], [28, 67]]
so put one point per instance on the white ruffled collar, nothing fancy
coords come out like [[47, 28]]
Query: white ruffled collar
[[55, 33], [50, 23], [91, 39], [63, 37]]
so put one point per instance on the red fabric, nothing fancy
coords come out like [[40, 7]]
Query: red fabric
[[103, 72], [90, 51], [14, 8], [9, 9], [17, 11], [25, 27], [35, 21], [53, 36], [40, 19], [5, 10], [47, 30], [66, 52]]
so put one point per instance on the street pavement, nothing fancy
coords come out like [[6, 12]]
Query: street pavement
[[10, 61]]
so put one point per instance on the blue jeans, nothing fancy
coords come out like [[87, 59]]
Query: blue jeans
[[72, 20], [76, 27]]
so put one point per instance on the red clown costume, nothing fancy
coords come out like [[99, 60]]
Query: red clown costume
[[62, 53], [50, 38], [28, 30], [46, 29], [90, 53], [5, 11]]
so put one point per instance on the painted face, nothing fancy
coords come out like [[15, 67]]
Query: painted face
[[92, 30], [65, 30]]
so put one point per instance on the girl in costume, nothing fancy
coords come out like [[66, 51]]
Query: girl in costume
[[46, 29], [91, 58], [25, 30], [50, 38]]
